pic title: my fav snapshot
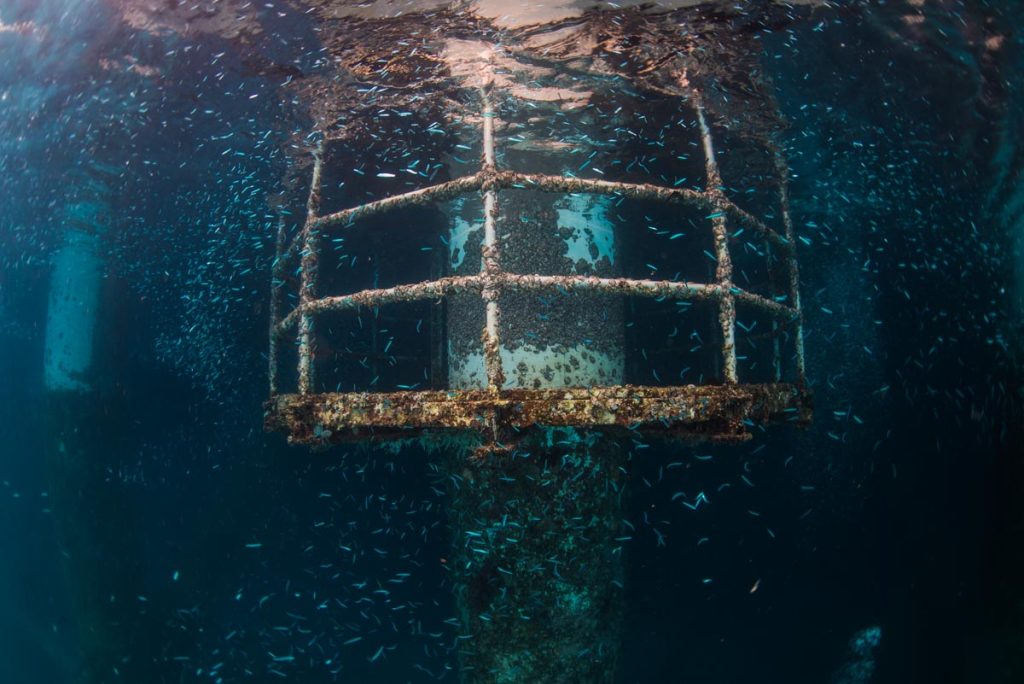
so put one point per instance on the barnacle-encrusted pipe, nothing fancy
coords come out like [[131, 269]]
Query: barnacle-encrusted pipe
[[345, 217], [310, 240], [276, 295], [792, 268], [723, 270], [776, 328], [430, 289], [491, 262], [505, 179], [708, 200], [451, 285]]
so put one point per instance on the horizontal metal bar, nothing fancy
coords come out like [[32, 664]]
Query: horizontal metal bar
[[763, 303], [704, 200], [744, 217], [476, 283], [430, 289], [434, 193], [544, 183], [571, 184], [621, 286], [443, 287], [693, 412]]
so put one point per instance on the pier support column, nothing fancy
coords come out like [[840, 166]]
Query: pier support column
[[73, 301], [537, 560], [91, 510]]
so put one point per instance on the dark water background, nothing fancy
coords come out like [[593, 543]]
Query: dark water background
[[903, 143]]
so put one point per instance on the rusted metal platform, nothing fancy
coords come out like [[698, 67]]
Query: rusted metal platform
[[720, 413], [717, 412]]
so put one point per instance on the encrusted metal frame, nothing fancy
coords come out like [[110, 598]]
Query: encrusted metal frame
[[716, 412]]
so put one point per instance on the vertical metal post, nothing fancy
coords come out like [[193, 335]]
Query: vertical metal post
[[375, 322], [276, 285], [310, 261], [723, 271], [793, 270], [491, 267], [438, 339], [776, 349]]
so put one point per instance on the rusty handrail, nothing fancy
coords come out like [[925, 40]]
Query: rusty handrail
[[492, 279]]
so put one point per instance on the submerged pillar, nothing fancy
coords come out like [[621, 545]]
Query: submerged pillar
[[534, 296], [82, 450], [75, 417], [537, 569], [538, 561], [73, 301], [73, 413]]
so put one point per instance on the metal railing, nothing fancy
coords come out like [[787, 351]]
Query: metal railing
[[493, 280]]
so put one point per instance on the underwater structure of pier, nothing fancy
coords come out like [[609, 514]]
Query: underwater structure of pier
[[526, 313], [491, 342]]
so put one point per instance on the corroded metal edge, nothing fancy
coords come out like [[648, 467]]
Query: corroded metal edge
[[720, 413]]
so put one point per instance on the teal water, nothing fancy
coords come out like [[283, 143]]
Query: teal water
[[151, 531]]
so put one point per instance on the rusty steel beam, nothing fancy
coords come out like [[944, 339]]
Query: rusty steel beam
[[769, 263], [572, 184], [693, 412]]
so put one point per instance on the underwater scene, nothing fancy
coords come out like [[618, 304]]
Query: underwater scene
[[494, 342]]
